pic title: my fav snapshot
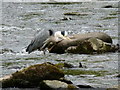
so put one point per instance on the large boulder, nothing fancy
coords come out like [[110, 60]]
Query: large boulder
[[32, 76], [92, 45], [99, 35], [83, 43]]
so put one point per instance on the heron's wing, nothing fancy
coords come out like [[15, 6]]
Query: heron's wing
[[46, 43], [38, 41]]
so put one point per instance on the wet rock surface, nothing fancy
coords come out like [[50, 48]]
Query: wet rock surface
[[33, 75], [55, 84], [88, 43], [43, 76], [92, 45], [22, 20]]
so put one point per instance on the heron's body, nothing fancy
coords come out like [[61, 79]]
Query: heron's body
[[41, 40], [38, 40]]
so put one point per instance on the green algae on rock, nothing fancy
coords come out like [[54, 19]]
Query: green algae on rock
[[33, 75], [64, 65], [109, 17], [87, 72]]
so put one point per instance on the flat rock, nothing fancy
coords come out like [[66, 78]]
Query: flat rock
[[55, 84], [82, 41]]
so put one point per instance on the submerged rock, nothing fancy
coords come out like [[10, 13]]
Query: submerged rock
[[108, 6], [76, 13], [6, 50], [118, 76], [33, 75], [116, 87], [66, 18], [68, 65], [64, 65]]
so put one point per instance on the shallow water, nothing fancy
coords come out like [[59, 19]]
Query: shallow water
[[22, 20]]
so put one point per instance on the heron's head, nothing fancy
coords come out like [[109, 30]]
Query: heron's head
[[61, 35]]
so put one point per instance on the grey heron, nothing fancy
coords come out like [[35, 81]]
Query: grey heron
[[44, 38], [38, 40]]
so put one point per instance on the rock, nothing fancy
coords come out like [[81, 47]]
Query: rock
[[6, 50], [117, 47], [6, 77], [115, 87], [108, 6], [76, 13], [65, 65], [83, 48], [90, 46], [77, 40], [111, 6], [65, 80], [33, 75], [99, 35], [66, 18], [68, 65], [118, 76], [55, 84], [80, 65], [84, 86], [49, 84], [60, 65]]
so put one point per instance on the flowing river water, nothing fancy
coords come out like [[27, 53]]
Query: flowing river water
[[20, 21]]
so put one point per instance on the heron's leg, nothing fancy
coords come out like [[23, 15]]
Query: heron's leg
[[51, 48], [44, 46], [44, 51]]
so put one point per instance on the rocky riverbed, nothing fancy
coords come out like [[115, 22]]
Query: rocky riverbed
[[22, 20]]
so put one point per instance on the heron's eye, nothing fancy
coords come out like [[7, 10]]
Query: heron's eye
[[63, 33], [50, 32]]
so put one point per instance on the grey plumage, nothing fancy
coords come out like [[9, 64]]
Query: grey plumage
[[44, 38], [38, 40]]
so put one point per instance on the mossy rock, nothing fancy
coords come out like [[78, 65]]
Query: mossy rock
[[33, 75], [64, 65]]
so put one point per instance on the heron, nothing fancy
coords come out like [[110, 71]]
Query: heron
[[43, 38]]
